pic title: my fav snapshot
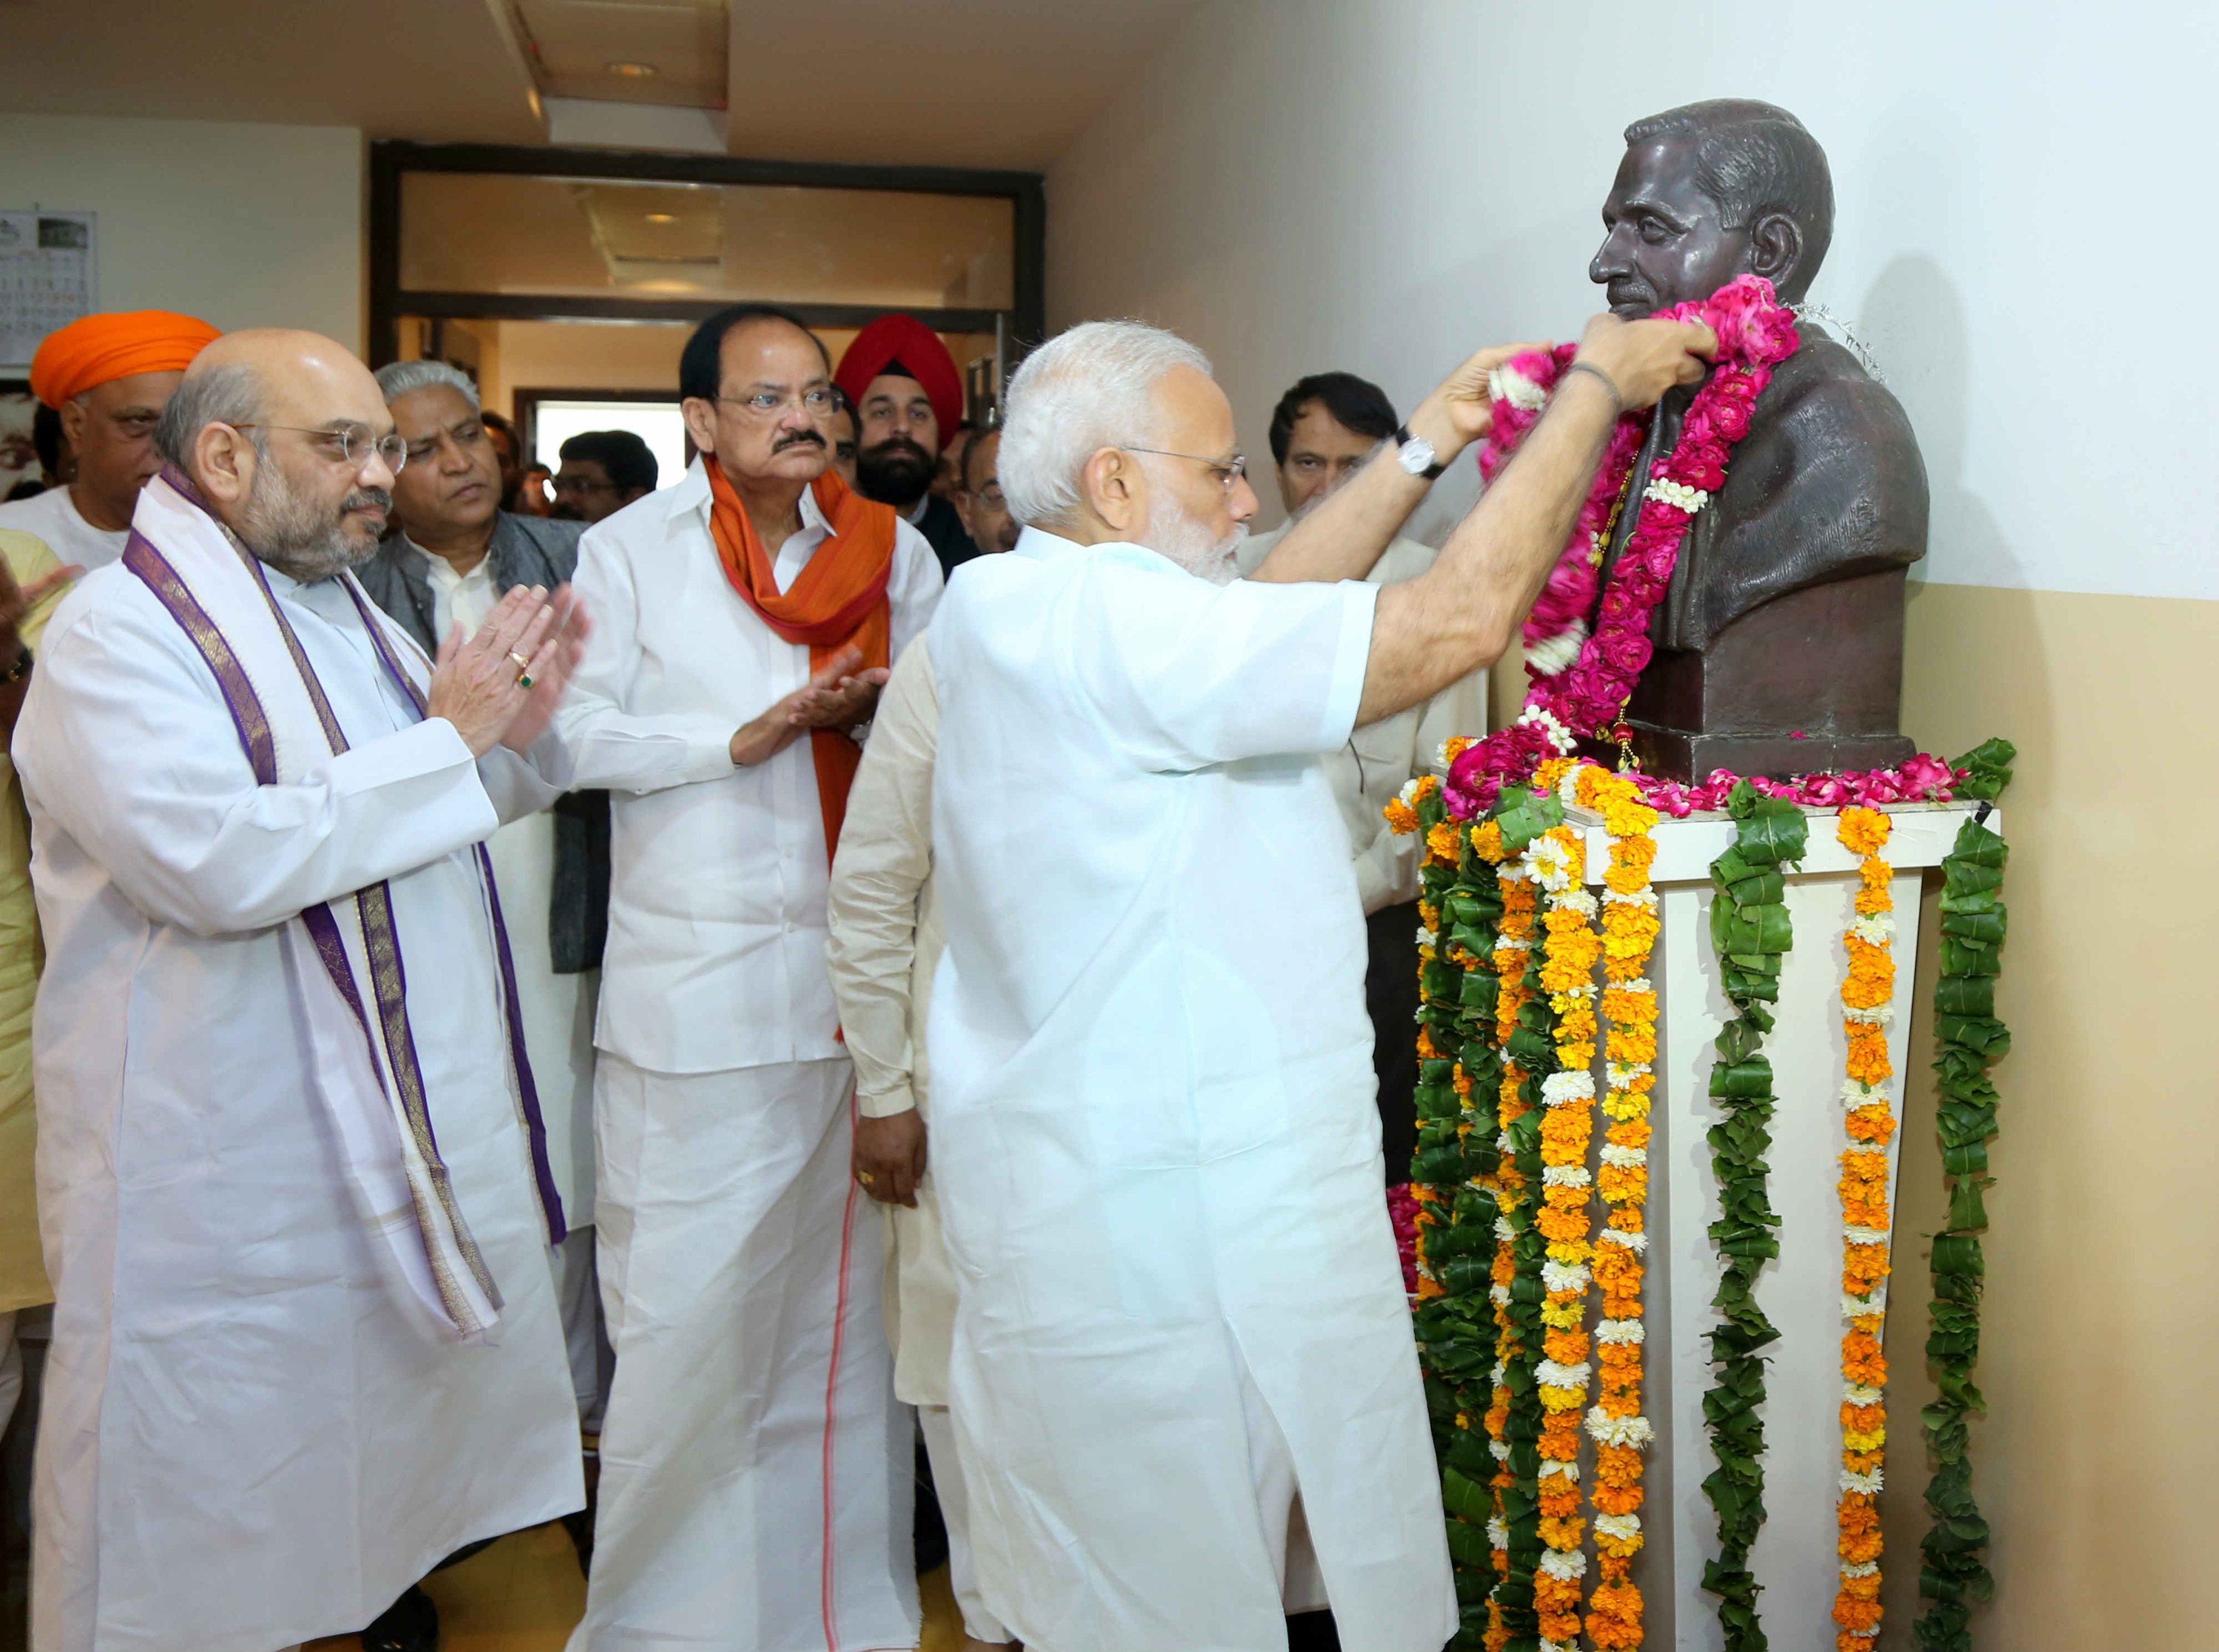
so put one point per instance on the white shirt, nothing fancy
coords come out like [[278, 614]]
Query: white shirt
[[224, 1337], [1152, 1128], [717, 919], [53, 516], [467, 596], [1372, 767]]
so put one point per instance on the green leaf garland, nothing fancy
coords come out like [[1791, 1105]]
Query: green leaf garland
[[1750, 932], [1968, 1039], [1455, 1331]]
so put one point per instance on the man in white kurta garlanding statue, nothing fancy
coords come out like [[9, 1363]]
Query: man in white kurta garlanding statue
[[1182, 1382], [305, 1342]]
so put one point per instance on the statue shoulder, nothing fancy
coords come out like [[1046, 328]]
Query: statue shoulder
[[1822, 405]]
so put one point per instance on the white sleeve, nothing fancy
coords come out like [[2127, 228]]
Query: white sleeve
[[884, 858], [913, 586], [1184, 673], [126, 744], [610, 747]]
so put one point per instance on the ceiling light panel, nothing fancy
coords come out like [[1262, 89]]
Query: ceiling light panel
[[670, 52]]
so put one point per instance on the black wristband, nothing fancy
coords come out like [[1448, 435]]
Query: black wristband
[[1403, 438]]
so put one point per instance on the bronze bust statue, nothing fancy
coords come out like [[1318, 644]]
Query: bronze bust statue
[[1780, 642]]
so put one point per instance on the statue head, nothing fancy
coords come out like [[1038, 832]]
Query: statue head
[[1710, 191]]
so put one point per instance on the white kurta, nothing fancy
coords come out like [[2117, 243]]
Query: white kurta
[[53, 516], [1377, 760], [245, 1441], [558, 1009], [1154, 1132], [756, 1472]]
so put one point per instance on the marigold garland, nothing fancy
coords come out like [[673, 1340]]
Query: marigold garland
[[1868, 1004], [1629, 1002]]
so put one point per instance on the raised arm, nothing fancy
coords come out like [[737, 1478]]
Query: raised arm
[[1460, 614], [1344, 537]]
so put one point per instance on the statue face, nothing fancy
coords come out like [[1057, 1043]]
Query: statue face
[[1662, 242]]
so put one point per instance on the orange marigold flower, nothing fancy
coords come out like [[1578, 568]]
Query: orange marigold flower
[[1486, 842], [1628, 1132], [1872, 1123], [1616, 1465], [1862, 831], [1563, 1534], [1623, 1183], [1616, 1499], [1401, 816], [1565, 1347], [1868, 1061], [1441, 846], [1853, 1614], [1560, 1498], [1561, 1224]]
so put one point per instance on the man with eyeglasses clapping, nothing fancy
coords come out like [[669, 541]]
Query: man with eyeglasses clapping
[[755, 1483]]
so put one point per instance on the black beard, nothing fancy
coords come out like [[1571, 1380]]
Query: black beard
[[896, 472]]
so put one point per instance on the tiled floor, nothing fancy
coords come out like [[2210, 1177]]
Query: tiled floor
[[525, 1593]]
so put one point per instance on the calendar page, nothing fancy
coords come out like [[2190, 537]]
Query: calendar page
[[47, 277]]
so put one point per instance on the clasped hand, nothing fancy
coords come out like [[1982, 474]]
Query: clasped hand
[[838, 696], [480, 686]]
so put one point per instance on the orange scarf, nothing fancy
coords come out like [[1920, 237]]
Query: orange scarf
[[838, 601]]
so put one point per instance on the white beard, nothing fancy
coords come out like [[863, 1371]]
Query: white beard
[[1191, 544]]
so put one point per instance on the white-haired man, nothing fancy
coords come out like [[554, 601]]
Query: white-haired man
[[1181, 1335]]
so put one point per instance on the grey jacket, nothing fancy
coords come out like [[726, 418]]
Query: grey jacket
[[525, 550]]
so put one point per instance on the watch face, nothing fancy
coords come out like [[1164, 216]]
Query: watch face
[[1417, 456]]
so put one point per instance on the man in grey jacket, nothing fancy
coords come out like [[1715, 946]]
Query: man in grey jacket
[[455, 556]]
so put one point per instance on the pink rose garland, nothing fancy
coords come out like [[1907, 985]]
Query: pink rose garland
[[1583, 698]]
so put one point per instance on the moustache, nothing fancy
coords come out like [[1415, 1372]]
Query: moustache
[[799, 438], [364, 499], [899, 444]]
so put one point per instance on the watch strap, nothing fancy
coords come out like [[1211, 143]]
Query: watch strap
[[1403, 437]]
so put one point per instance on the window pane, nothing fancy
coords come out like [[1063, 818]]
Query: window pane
[[487, 233], [658, 423]]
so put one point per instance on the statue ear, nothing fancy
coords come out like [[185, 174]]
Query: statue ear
[[1775, 247]]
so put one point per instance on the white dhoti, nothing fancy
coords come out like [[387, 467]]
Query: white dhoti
[[756, 1482]]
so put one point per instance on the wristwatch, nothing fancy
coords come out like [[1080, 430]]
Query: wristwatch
[[1416, 455]]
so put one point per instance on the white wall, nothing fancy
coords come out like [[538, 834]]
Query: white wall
[[1300, 184], [241, 225]]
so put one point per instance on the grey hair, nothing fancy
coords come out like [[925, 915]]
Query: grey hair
[[231, 394], [396, 379], [1084, 390]]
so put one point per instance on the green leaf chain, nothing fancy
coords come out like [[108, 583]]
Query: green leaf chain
[[1968, 1040], [1750, 932]]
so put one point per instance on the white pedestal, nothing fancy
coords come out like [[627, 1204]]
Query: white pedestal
[[1799, 1291]]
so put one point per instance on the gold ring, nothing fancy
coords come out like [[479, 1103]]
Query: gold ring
[[524, 681], [865, 1177], [522, 664]]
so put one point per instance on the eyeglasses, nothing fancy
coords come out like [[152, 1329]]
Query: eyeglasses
[[1227, 471], [348, 447], [582, 485], [769, 404], [991, 497]]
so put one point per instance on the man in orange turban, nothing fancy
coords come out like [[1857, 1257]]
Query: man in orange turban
[[909, 404], [109, 377]]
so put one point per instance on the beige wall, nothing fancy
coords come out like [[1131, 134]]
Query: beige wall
[[1299, 184], [2103, 1269], [241, 225]]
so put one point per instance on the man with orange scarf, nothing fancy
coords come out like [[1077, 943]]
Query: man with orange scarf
[[755, 1474]]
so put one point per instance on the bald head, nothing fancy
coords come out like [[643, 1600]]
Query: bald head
[[280, 431]]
